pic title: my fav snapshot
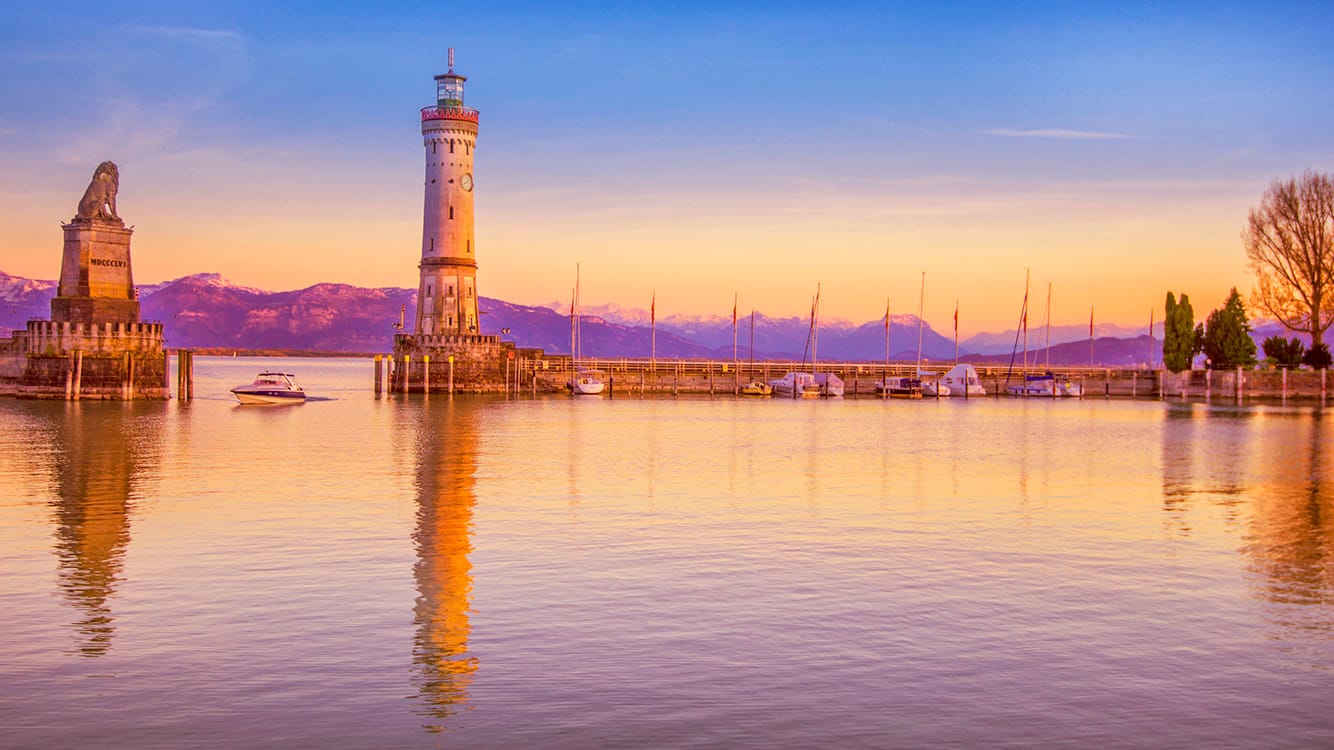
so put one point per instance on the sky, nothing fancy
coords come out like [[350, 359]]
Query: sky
[[684, 151]]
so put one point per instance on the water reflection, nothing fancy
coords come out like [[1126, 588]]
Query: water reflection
[[446, 449], [102, 455], [1206, 453], [1291, 540]]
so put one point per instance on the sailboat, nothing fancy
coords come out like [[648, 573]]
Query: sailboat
[[583, 382], [754, 387], [803, 384], [1046, 385]]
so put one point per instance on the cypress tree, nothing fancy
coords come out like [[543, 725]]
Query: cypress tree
[[1178, 334]]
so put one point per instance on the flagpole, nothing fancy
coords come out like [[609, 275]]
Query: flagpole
[[1090, 336], [653, 333], [956, 331], [884, 381], [1150, 338], [734, 298]]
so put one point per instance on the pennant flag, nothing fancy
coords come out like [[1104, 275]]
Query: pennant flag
[[1090, 322], [886, 315], [734, 310], [652, 308], [956, 316]]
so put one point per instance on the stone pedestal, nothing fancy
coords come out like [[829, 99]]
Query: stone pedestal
[[422, 364], [96, 282]]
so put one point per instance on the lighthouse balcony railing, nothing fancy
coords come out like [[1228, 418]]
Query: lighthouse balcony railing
[[449, 113]]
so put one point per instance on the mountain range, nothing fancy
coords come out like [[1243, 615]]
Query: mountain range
[[204, 311]]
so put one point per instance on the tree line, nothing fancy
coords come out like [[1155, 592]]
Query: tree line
[[1289, 241]]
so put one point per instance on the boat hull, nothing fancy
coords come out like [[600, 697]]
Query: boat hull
[[269, 397], [757, 389]]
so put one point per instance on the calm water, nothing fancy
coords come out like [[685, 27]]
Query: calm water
[[412, 572]]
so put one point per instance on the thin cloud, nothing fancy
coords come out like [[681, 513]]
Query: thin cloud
[[186, 32], [8, 131], [1058, 133]]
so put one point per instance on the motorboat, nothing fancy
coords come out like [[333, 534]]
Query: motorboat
[[931, 385], [962, 380], [1046, 385], [900, 387], [586, 383], [271, 388], [796, 385], [831, 385]]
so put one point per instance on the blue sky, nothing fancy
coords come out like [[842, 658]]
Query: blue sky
[[695, 150]]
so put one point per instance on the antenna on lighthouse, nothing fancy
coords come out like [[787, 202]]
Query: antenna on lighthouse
[[451, 59]]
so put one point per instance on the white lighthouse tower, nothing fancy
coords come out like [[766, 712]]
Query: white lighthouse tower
[[446, 349], [447, 295]]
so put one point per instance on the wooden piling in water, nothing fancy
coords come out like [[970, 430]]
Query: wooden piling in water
[[426, 375], [379, 377]]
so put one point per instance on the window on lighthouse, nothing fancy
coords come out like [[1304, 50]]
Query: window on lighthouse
[[451, 212]]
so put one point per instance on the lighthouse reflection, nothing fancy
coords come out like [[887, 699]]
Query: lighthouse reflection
[[102, 455], [446, 443]]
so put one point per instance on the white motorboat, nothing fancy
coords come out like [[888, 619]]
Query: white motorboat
[[962, 380], [931, 385], [796, 385], [271, 388]]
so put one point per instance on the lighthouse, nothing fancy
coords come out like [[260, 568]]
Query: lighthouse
[[447, 294], [446, 349]]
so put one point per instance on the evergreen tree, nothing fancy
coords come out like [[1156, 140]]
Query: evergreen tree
[[1227, 335], [1285, 353], [1178, 334]]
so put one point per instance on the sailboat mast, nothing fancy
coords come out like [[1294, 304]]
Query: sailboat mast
[[921, 298], [815, 331], [1048, 314], [752, 342], [577, 321], [1027, 273]]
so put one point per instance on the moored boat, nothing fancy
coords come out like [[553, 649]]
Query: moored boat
[[899, 387], [757, 388], [963, 380], [830, 385], [931, 385], [796, 385], [271, 388], [1046, 385], [586, 383]]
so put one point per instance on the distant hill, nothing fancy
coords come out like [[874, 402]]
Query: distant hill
[[206, 311], [1107, 352]]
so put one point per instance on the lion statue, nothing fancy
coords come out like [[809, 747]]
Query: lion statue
[[99, 200]]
